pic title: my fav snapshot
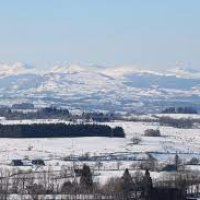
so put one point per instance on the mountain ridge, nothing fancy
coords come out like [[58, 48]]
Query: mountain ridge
[[110, 88]]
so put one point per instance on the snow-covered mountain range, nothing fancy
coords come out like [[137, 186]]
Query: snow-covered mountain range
[[96, 87]]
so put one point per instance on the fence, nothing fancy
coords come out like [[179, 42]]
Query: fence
[[64, 197]]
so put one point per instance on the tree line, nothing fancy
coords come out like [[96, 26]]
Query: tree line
[[177, 123], [180, 110], [59, 130], [42, 113]]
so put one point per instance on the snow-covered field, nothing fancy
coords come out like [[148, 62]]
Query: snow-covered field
[[183, 141]]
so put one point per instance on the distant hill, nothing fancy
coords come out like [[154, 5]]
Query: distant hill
[[96, 87]]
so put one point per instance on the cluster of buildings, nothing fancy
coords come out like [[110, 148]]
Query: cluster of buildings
[[37, 162]]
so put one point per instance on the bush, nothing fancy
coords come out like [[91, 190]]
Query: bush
[[152, 133], [135, 140], [193, 161], [118, 132]]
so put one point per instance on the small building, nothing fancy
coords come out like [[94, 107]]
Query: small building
[[38, 162], [170, 168], [17, 162]]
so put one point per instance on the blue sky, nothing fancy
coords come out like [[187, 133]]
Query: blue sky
[[149, 33]]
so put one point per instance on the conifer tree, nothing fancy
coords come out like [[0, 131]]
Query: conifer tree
[[126, 183], [86, 180]]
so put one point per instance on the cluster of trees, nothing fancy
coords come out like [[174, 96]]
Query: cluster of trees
[[34, 185], [116, 187], [98, 116], [152, 133], [177, 123], [59, 130], [136, 186], [43, 113], [129, 186], [52, 112], [21, 111], [180, 110]]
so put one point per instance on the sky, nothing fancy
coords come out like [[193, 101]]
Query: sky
[[149, 33]]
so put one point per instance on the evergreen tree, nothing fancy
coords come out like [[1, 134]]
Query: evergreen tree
[[147, 185], [86, 180], [127, 182], [177, 161]]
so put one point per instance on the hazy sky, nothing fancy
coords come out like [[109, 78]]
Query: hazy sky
[[151, 33]]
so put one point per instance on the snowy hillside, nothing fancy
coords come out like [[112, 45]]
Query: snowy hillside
[[91, 87]]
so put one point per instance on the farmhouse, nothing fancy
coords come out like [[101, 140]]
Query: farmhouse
[[38, 162], [17, 162]]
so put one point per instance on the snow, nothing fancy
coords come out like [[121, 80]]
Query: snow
[[109, 88], [33, 121], [122, 71], [54, 151], [179, 116], [14, 69], [186, 142]]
